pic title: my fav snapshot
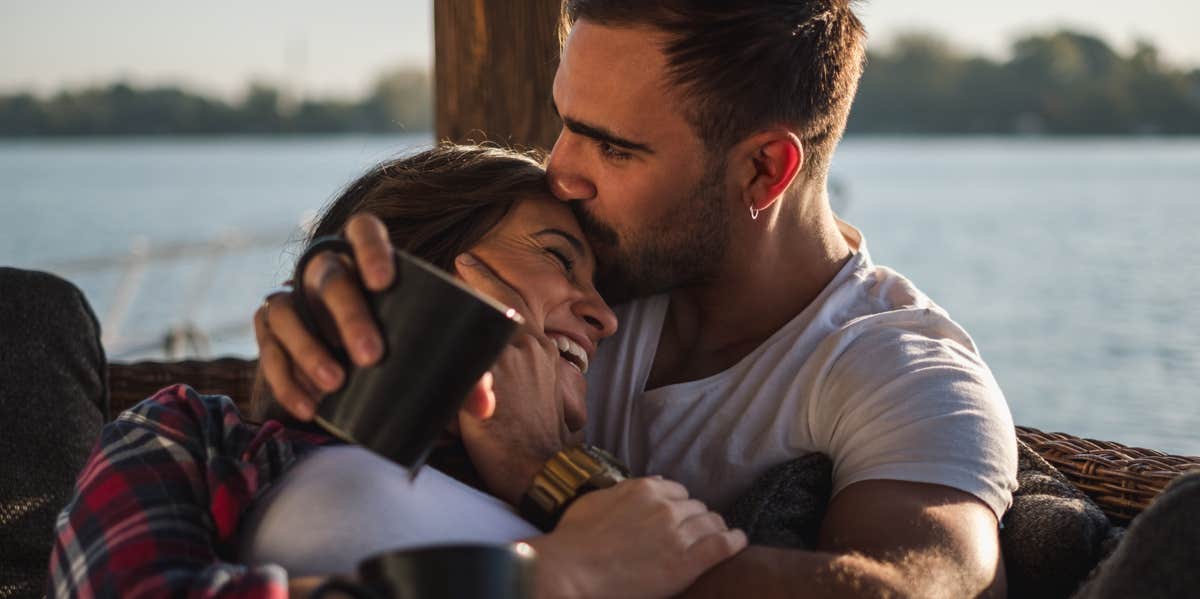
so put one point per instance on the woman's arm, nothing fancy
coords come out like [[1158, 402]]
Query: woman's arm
[[156, 507]]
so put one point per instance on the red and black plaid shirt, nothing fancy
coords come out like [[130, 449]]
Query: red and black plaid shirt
[[156, 509]]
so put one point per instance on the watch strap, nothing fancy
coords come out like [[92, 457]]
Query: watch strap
[[563, 478]]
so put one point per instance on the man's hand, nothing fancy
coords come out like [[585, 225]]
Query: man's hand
[[641, 538], [297, 367]]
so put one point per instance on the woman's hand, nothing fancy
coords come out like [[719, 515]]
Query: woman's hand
[[527, 426], [640, 538]]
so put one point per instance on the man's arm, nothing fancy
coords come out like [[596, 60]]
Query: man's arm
[[880, 538]]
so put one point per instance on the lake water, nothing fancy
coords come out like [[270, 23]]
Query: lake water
[[1073, 263]]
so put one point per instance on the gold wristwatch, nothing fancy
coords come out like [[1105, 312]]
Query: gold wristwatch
[[564, 477]]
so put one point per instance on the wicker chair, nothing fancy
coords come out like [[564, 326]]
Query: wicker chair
[[1121, 480]]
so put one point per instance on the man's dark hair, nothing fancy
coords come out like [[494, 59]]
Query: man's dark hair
[[746, 65]]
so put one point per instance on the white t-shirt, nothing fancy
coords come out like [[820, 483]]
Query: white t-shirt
[[340, 505], [872, 373]]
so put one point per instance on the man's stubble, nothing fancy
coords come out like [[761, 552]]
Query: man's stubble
[[683, 248]]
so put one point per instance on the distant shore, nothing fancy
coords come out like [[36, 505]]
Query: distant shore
[[1062, 83]]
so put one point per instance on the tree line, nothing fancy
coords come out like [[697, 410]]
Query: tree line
[[1059, 83], [1062, 82], [399, 101]]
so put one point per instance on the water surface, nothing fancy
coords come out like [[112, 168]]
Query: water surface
[[1073, 263]]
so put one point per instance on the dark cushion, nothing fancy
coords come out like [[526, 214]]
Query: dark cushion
[[53, 398], [1157, 558]]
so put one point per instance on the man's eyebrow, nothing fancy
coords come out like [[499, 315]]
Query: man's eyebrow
[[599, 133], [571, 239]]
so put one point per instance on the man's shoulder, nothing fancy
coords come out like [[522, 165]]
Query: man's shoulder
[[866, 308], [879, 341], [880, 307]]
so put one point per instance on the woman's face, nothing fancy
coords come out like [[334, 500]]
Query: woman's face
[[540, 251]]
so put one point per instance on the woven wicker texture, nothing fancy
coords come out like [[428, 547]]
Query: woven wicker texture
[[1121, 480], [131, 383]]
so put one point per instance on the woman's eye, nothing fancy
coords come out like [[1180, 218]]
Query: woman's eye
[[608, 151], [563, 258]]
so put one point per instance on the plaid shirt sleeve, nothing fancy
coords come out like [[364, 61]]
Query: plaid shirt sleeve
[[156, 508]]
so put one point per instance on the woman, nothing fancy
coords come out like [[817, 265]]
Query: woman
[[158, 507]]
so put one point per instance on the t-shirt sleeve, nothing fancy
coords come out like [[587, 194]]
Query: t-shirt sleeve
[[909, 399]]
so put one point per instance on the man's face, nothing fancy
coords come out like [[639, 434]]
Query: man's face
[[652, 203]]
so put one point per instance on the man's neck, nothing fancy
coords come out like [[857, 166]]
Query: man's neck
[[777, 269]]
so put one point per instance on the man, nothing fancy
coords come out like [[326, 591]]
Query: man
[[696, 145]]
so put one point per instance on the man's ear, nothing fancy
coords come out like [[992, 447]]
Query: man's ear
[[771, 161]]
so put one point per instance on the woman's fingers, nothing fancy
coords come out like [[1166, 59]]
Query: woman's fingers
[[478, 275], [699, 525], [372, 250], [658, 487], [481, 401], [333, 285], [717, 547]]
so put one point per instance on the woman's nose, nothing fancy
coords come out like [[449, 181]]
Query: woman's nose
[[601, 320], [565, 172]]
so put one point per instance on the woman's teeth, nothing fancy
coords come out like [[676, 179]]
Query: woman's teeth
[[572, 352]]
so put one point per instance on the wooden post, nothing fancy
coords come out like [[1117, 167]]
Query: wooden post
[[494, 63]]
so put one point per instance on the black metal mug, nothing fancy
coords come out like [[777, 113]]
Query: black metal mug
[[441, 572], [440, 336]]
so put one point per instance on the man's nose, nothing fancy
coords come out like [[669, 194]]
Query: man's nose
[[565, 172]]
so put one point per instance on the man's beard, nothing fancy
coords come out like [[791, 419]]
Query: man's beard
[[683, 249]]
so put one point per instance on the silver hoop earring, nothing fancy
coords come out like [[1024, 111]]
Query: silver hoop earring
[[754, 212]]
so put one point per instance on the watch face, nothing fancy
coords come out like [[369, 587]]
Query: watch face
[[607, 470]]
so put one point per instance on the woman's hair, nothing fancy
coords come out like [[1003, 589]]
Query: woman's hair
[[435, 204], [440, 202]]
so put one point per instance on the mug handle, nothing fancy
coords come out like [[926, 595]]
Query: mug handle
[[327, 243], [342, 585]]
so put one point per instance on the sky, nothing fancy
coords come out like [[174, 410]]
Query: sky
[[321, 48]]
